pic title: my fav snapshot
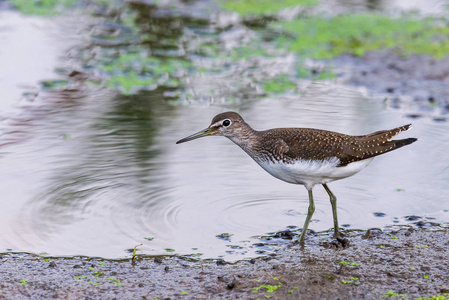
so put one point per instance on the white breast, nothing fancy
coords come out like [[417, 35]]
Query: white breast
[[310, 172]]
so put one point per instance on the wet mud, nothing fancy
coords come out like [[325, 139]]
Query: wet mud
[[408, 263], [415, 84]]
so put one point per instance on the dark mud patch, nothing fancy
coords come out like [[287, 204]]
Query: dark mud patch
[[415, 84], [407, 263]]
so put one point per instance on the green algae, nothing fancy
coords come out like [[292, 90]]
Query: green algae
[[253, 49], [138, 70], [392, 294], [356, 34], [351, 280], [268, 288], [262, 7], [42, 7], [279, 84]]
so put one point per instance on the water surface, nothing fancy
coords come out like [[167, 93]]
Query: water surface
[[85, 171], [103, 173]]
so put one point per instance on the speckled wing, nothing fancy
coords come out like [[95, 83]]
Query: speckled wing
[[373, 144], [280, 147], [304, 144], [313, 144]]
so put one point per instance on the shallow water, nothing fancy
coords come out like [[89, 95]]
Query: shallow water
[[99, 176], [87, 172]]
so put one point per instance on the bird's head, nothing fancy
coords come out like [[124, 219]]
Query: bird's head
[[225, 124]]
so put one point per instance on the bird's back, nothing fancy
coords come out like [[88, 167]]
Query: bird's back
[[292, 144]]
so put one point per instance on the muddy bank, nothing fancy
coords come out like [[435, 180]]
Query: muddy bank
[[408, 263], [415, 84]]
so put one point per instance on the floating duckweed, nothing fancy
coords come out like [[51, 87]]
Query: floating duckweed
[[352, 280]]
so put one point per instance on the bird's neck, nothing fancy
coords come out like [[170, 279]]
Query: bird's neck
[[245, 137]]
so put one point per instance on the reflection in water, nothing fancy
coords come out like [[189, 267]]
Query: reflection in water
[[109, 161], [116, 146]]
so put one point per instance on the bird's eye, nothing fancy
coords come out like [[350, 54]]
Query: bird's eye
[[226, 123]]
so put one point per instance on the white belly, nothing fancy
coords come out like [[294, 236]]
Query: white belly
[[309, 173]]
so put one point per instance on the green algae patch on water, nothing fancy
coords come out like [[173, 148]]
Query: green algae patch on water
[[279, 84], [130, 72], [262, 7], [42, 7], [356, 34]]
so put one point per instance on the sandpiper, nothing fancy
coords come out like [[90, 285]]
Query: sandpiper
[[305, 156]]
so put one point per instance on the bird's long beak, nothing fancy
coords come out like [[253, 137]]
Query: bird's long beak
[[202, 133]]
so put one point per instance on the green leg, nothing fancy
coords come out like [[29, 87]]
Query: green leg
[[334, 208], [309, 216]]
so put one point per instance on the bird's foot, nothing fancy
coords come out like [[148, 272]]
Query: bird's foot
[[339, 243], [299, 241], [302, 236], [339, 234]]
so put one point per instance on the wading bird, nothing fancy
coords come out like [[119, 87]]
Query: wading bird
[[304, 155]]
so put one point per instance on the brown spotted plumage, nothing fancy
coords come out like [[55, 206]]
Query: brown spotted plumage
[[290, 144], [304, 155]]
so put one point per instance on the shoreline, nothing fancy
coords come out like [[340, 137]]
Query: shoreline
[[408, 264]]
